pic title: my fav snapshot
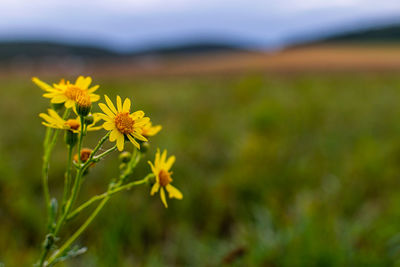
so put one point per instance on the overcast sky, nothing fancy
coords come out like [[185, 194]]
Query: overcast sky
[[126, 24]]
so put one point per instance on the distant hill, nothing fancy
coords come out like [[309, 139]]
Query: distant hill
[[383, 34], [10, 50], [36, 50]]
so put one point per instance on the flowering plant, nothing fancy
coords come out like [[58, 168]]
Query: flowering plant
[[74, 102]]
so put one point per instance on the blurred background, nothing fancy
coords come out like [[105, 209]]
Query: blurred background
[[283, 116]]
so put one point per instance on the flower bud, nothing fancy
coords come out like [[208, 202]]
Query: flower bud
[[144, 146], [83, 104], [89, 119], [85, 154], [125, 156], [73, 124], [70, 138], [122, 166]]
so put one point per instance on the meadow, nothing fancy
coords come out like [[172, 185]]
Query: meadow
[[299, 169]]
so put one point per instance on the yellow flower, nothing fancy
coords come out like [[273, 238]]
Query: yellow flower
[[53, 120], [161, 169], [68, 93], [121, 123], [150, 130]]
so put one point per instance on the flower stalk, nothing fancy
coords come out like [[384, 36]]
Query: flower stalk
[[122, 126]]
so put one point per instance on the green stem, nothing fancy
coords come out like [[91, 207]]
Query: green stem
[[82, 133], [45, 166], [67, 184], [48, 145], [77, 182], [109, 193], [105, 153], [105, 197], [77, 233]]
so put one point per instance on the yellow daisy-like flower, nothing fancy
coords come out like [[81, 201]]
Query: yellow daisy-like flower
[[53, 120], [150, 130], [121, 123], [68, 93], [161, 169]]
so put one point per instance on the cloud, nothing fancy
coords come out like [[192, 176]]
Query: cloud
[[126, 23]]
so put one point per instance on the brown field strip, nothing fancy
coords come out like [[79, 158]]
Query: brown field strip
[[301, 59]]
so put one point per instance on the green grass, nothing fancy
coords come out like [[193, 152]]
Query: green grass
[[299, 170]]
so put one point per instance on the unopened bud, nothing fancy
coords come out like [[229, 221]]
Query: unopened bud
[[122, 166], [83, 104], [144, 146], [73, 124], [89, 119], [85, 154], [125, 156], [70, 138]]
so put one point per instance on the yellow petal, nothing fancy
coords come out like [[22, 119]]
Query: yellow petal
[[157, 158], [153, 130], [106, 110], [42, 85], [104, 117], [70, 104], [163, 157], [49, 125], [110, 104], [133, 141], [173, 192], [127, 105], [162, 196], [108, 125], [47, 118], [94, 98], [141, 122], [119, 104], [120, 142], [139, 136], [115, 134], [83, 82], [93, 89], [169, 163], [153, 168], [154, 189], [137, 114], [94, 128], [54, 114], [59, 99]]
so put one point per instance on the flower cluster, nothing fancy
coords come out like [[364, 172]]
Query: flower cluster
[[122, 124]]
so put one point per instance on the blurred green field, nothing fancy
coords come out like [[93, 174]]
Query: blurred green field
[[276, 170]]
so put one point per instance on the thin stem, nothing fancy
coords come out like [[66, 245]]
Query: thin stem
[[77, 182], [105, 197], [105, 153], [48, 144], [98, 146], [109, 193], [67, 184], [45, 166], [82, 133], [78, 232]]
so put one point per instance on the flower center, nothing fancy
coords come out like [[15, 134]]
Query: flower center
[[164, 178], [73, 124], [72, 92], [124, 123], [83, 99]]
